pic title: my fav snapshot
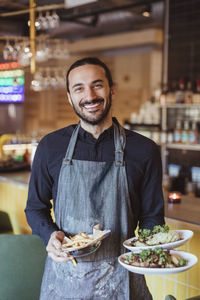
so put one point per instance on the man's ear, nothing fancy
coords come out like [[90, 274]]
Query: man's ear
[[113, 90], [69, 98]]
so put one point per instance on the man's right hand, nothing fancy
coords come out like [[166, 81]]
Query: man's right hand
[[54, 248]]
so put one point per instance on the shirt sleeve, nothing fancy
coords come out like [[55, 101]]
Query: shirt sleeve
[[152, 202], [38, 208]]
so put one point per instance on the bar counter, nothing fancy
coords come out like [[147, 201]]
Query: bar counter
[[13, 197], [188, 210], [184, 215], [16, 177]]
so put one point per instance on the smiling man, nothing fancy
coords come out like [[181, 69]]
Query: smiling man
[[96, 172]]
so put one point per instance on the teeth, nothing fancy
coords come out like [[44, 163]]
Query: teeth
[[91, 105]]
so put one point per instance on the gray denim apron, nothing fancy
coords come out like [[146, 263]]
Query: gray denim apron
[[91, 193]]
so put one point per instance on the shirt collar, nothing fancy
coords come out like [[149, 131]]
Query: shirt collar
[[106, 134]]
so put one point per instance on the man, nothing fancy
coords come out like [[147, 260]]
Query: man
[[96, 173]]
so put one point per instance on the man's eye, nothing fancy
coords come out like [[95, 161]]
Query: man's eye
[[98, 85], [78, 89]]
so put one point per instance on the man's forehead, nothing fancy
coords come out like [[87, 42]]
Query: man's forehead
[[89, 69]]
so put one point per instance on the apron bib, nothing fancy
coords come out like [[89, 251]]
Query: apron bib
[[91, 193]]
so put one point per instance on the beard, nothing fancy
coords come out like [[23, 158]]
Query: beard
[[94, 119]]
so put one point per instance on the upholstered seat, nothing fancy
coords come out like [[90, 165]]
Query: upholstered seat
[[22, 259]]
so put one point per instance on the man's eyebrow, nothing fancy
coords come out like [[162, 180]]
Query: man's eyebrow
[[93, 82], [97, 80], [76, 84]]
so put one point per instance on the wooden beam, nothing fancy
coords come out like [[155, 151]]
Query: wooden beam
[[130, 39]]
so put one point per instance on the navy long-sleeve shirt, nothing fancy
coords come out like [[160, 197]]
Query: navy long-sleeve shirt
[[143, 169]]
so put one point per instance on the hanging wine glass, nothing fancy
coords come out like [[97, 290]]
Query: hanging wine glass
[[7, 51], [55, 20], [58, 52], [16, 51], [49, 20], [43, 22], [36, 83], [65, 51], [53, 79], [46, 79], [25, 54], [61, 78], [40, 52], [38, 24]]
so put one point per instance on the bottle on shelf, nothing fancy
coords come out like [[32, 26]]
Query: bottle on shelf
[[189, 93], [164, 94], [170, 136], [171, 96], [196, 96], [180, 93], [177, 132], [163, 137], [185, 132], [193, 133]]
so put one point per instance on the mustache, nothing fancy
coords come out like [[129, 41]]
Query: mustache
[[94, 101]]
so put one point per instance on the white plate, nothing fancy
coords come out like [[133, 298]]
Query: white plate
[[191, 258], [185, 236]]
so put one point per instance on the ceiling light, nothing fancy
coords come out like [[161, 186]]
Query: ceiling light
[[147, 11]]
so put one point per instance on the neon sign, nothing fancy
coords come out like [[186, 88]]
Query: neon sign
[[11, 83]]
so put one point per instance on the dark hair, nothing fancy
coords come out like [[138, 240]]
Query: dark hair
[[90, 61]]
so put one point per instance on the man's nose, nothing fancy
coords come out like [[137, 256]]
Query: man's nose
[[90, 93]]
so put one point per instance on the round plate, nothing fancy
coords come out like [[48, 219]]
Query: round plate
[[86, 251], [185, 236], [191, 258]]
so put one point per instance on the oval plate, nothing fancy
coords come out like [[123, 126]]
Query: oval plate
[[191, 258], [86, 251], [185, 236]]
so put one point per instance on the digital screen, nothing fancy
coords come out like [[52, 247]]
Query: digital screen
[[11, 83]]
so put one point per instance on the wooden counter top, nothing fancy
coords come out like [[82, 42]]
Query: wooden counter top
[[21, 178], [188, 210]]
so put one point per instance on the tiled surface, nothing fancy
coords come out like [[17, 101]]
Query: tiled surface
[[181, 285]]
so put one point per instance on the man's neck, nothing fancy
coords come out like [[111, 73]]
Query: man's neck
[[96, 130]]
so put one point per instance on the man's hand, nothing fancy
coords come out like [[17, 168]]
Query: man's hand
[[54, 249]]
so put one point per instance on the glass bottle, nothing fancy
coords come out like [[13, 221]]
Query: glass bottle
[[185, 132], [180, 94], [193, 134], [177, 132], [189, 93]]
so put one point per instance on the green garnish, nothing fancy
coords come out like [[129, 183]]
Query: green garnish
[[159, 228], [143, 233], [182, 262]]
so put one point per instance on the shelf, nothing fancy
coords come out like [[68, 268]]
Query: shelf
[[176, 105], [183, 147]]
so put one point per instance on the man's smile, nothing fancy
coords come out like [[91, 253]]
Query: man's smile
[[93, 105]]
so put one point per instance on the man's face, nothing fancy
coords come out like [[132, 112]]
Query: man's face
[[90, 94]]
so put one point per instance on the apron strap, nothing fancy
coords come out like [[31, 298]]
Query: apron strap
[[119, 140], [72, 144]]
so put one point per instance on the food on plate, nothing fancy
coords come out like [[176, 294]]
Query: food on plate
[[83, 240], [159, 235], [80, 239], [154, 258]]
